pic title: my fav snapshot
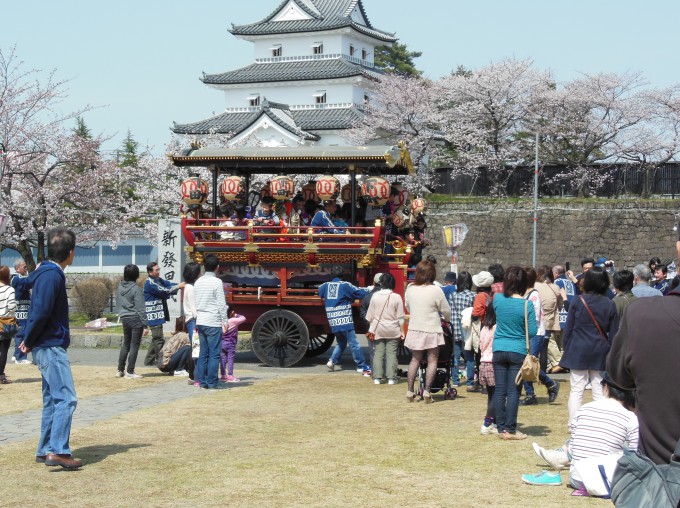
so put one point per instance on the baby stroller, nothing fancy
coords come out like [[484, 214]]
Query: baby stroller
[[442, 379]]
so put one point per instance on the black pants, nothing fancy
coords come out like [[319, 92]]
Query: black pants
[[180, 360], [5, 342], [132, 338]]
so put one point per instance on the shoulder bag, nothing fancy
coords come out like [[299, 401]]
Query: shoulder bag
[[592, 316], [370, 334], [531, 365]]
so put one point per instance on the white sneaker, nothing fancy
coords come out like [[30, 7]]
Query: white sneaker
[[377, 381], [14, 359], [132, 376], [491, 429], [331, 366], [392, 381], [120, 373], [589, 386], [24, 362], [557, 459], [181, 373]]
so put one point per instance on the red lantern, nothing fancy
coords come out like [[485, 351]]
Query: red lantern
[[232, 188], [266, 191], [309, 191], [328, 188], [398, 218], [282, 188], [194, 190], [418, 206], [346, 193], [376, 190], [402, 195]]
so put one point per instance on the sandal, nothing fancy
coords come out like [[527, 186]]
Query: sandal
[[4, 380], [410, 396], [427, 397]]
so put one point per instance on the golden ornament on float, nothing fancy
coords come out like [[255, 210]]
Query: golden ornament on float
[[309, 191], [346, 193], [328, 188], [194, 190], [418, 206], [376, 190], [232, 188], [282, 188], [401, 196]]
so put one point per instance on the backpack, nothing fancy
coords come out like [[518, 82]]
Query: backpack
[[639, 482]]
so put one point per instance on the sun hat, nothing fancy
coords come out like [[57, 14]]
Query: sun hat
[[483, 279]]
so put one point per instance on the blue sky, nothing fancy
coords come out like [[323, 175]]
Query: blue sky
[[138, 62]]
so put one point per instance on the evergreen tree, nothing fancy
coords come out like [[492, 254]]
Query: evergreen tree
[[397, 59], [128, 154]]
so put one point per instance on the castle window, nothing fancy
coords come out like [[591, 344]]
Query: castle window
[[317, 48], [320, 97], [364, 53], [351, 50], [276, 50], [254, 99]]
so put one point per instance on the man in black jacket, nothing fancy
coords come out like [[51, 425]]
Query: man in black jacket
[[644, 356]]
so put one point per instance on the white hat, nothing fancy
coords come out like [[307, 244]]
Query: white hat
[[376, 278], [483, 279]]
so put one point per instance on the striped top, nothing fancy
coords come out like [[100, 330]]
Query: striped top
[[7, 302], [602, 427]]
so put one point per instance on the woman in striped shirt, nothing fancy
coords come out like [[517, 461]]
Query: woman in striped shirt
[[9, 323]]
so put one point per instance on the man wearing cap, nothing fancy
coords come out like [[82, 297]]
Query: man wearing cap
[[644, 356], [322, 222], [449, 286]]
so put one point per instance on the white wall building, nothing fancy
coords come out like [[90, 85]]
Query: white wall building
[[312, 73]]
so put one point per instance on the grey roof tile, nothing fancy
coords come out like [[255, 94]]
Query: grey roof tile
[[291, 71], [305, 120], [334, 14]]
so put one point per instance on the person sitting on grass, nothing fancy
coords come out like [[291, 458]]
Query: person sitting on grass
[[603, 427], [175, 356]]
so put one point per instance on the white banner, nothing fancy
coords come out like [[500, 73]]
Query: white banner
[[171, 259]]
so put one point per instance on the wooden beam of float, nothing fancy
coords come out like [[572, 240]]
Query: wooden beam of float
[[394, 160]]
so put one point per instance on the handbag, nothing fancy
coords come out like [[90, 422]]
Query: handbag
[[370, 334], [593, 318], [531, 365]]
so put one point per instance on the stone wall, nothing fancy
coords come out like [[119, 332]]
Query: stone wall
[[626, 231]]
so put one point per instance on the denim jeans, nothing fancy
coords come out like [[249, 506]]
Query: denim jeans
[[457, 352], [469, 366], [191, 326], [18, 339], [536, 344], [59, 400], [132, 338], [385, 352], [506, 365], [209, 359], [180, 360], [343, 338]]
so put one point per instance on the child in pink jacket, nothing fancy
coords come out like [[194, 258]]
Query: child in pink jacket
[[229, 340]]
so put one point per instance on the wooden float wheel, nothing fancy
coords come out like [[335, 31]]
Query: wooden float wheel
[[280, 338], [319, 343]]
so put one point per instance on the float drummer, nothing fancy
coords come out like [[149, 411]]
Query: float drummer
[[266, 216]]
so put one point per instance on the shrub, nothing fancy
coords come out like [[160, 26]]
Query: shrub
[[92, 296]]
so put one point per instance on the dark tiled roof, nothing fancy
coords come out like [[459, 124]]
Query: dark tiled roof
[[305, 120], [334, 14], [291, 71]]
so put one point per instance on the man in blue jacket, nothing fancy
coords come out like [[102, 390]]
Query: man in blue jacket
[[22, 294], [156, 293], [338, 297], [47, 336]]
